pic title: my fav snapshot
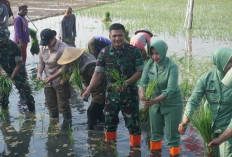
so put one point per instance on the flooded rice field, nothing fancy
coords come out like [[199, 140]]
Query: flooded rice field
[[36, 136]]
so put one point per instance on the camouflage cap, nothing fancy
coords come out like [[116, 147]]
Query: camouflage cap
[[4, 34]]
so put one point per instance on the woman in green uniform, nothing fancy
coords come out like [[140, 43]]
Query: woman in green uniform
[[218, 96], [166, 105]]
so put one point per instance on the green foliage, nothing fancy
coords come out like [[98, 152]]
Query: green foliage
[[6, 85], [34, 43], [149, 91], [70, 136], [37, 85], [202, 121], [107, 17], [127, 36], [120, 81], [211, 19], [191, 68], [77, 79], [67, 41]]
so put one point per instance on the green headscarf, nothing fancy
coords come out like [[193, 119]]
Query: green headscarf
[[161, 48], [220, 58]]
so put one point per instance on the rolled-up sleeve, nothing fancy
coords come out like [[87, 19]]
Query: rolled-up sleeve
[[100, 66]]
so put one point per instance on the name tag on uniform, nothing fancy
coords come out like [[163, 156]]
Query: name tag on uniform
[[149, 72], [211, 91]]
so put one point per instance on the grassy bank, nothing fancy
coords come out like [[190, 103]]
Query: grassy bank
[[211, 18]]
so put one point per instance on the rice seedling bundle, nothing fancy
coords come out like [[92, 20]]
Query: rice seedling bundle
[[77, 79], [37, 85], [202, 121], [34, 43], [5, 84], [120, 85], [149, 91]]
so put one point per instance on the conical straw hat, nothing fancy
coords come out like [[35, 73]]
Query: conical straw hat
[[70, 54]]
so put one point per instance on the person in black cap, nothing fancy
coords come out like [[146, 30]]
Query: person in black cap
[[11, 62], [56, 94]]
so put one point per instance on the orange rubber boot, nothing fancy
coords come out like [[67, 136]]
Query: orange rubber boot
[[174, 151], [111, 136], [155, 145], [135, 140]]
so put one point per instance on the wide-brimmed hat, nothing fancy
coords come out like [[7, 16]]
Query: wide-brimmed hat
[[144, 30], [70, 54]]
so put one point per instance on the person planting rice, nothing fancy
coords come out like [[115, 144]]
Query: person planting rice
[[128, 61], [11, 62], [85, 63], [141, 39], [57, 95], [96, 44], [166, 105], [220, 99]]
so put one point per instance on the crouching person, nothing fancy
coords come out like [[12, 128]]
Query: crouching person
[[77, 58], [11, 62], [57, 95]]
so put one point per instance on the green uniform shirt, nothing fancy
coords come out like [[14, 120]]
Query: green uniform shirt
[[9, 55], [166, 72], [127, 61], [218, 96]]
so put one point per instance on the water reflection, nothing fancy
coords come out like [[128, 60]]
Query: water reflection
[[59, 143], [18, 142]]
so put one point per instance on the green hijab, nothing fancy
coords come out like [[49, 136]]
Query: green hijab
[[161, 48], [220, 58]]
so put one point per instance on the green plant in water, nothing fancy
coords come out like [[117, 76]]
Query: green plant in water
[[70, 136], [120, 81], [101, 145], [20, 119], [202, 121], [149, 91], [6, 85], [68, 41], [37, 85], [107, 17], [77, 78], [34, 43]]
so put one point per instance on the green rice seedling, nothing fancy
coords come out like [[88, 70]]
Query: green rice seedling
[[77, 79], [34, 43], [202, 121], [149, 91], [6, 85], [70, 136], [120, 81], [37, 85], [68, 41], [20, 119], [101, 145], [107, 17]]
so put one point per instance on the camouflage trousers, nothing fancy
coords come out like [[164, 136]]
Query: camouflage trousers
[[126, 102], [21, 83]]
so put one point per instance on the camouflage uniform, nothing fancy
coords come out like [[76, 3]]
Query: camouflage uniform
[[127, 61], [9, 55]]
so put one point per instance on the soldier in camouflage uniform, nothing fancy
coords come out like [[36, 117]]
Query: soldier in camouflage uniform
[[11, 62], [128, 61]]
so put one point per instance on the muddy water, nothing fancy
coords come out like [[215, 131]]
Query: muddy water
[[34, 135]]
